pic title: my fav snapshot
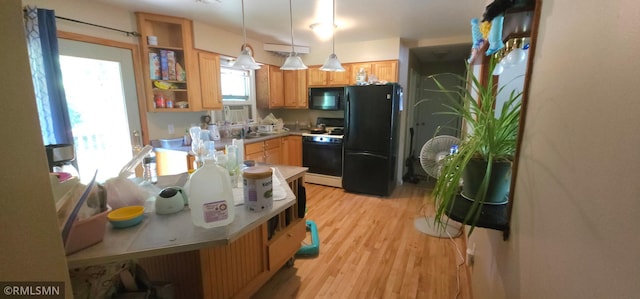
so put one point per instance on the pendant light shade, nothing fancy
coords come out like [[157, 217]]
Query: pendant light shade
[[333, 64], [245, 61], [293, 62]]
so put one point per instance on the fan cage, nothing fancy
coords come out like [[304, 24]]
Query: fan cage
[[434, 151]]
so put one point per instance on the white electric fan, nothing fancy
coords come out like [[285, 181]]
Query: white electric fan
[[432, 155]]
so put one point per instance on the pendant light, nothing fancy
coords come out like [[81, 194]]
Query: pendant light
[[245, 61], [293, 61], [333, 64]]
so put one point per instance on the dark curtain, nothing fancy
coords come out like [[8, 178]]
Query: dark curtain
[[55, 88], [47, 78]]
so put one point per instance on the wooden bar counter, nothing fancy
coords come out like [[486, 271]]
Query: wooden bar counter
[[232, 261]]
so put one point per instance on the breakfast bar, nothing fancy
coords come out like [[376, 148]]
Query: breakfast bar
[[223, 262]]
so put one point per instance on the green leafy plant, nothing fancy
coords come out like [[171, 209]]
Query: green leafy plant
[[488, 138]]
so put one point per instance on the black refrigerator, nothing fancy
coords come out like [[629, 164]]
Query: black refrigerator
[[371, 138]]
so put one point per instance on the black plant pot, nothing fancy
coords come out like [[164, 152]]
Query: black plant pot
[[499, 183]]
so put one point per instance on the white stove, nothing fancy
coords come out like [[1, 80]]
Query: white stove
[[330, 133], [322, 153]]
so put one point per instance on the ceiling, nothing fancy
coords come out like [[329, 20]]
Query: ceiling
[[357, 20]]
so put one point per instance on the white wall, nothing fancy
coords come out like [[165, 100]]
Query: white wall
[[92, 12], [209, 38], [31, 244], [383, 49], [577, 194], [403, 138], [451, 40]]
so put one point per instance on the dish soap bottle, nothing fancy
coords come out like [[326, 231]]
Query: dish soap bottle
[[210, 196]]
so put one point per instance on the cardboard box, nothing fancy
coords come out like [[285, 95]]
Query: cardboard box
[[164, 65], [154, 66], [171, 64]]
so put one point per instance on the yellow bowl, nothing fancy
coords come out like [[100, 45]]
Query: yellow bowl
[[125, 213]]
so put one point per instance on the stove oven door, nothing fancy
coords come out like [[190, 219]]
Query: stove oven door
[[322, 158]]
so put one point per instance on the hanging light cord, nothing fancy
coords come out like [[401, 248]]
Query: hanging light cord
[[293, 51], [333, 27], [244, 33]]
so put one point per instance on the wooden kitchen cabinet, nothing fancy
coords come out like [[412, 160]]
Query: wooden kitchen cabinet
[[340, 78], [295, 89], [268, 151], [384, 70], [283, 246], [318, 78], [292, 150], [276, 88], [227, 270], [254, 151], [240, 268], [273, 155], [174, 35], [211, 93], [269, 87], [273, 151]]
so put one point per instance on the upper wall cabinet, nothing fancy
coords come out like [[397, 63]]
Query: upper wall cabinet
[[276, 88], [318, 78], [170, 70], [295, 89], [383, 70], [209, 66], [269, 87]]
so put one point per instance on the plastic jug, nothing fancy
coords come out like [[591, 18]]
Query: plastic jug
[[210, 196]]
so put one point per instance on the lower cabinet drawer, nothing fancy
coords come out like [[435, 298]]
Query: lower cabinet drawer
[[286, 243], [272, 143], [257, 157], [252, 148]]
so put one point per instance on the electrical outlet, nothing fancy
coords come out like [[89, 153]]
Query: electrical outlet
[[471, 255], [171, 129]]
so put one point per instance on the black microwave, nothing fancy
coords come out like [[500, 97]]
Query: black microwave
[[326, 98]]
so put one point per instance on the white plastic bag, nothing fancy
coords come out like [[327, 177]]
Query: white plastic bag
[[121, 191]]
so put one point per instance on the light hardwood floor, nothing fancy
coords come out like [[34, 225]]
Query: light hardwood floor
[[369, 248]]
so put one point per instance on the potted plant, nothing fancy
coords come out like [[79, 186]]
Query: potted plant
[[485, 154]]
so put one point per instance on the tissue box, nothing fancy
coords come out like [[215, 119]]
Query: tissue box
[[86, 232]]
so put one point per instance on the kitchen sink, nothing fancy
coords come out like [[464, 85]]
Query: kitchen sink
[[254, 135]]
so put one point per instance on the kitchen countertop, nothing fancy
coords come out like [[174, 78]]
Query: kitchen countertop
[[223, 142], [173, 233]]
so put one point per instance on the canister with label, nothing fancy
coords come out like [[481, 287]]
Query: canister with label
[[258, 188]]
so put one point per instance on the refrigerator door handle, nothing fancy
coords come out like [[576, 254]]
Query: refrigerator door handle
[[369, 154], [347, 115]]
